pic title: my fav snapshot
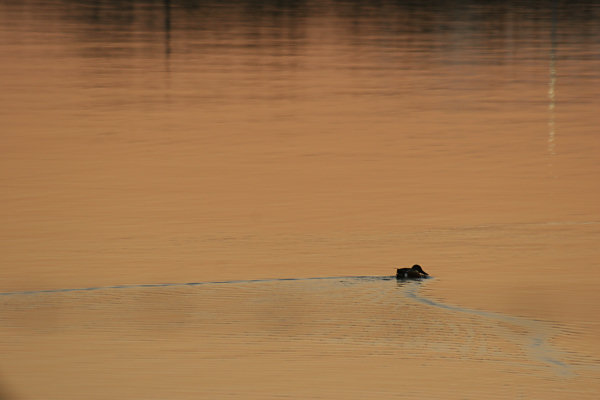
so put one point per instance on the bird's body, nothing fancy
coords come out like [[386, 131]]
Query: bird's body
[[416, 272]]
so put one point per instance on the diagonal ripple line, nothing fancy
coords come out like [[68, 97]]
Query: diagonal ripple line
[[538, 345], [155, 285]]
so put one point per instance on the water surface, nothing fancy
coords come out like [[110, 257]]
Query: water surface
[[299, 338], [152, 142]]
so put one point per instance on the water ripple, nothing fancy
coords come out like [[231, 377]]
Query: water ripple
[[364, 310]]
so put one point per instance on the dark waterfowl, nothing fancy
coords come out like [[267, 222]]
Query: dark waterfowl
[[416, 272]]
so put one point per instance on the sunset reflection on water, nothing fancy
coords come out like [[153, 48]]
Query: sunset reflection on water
[[149, 142]]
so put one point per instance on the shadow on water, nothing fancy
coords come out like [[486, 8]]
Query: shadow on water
[[5, 394], [194, 24]]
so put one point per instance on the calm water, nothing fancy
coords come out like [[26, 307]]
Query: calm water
[[148, 142]]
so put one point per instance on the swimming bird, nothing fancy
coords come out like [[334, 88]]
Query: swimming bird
[[416, 272]]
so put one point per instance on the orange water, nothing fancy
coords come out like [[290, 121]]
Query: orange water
[[176, 142]]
